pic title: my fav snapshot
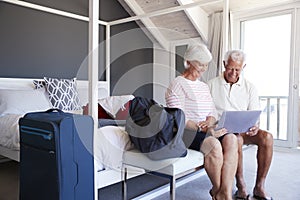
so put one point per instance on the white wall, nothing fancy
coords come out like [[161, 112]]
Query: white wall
[[161, 73]]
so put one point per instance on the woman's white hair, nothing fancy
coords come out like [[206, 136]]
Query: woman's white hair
[[235, 55], [197, 52]]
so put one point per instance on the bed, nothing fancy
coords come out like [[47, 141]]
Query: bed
[[19, 96]]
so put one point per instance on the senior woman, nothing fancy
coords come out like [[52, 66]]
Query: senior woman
[[220, 149]]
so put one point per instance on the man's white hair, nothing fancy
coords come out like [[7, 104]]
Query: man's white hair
[[236, 56], [197, 52]]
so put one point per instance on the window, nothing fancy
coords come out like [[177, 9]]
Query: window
[[267, 43]]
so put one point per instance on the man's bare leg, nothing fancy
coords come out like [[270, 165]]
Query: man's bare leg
[[264, 142]]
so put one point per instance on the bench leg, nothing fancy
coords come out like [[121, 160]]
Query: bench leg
[[172, 188], [124, 183]]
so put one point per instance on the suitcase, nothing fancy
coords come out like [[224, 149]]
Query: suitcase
[[56, 156]]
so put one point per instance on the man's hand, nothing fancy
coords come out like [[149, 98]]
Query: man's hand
[[252, 131]]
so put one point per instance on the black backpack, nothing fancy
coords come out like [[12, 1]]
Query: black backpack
[[156, 130]]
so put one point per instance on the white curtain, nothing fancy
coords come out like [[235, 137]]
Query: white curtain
[[215, 45]]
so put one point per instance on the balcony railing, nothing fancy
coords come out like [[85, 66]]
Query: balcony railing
[[274, 115]]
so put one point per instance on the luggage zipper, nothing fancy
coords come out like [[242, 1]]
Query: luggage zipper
[[47, 135]]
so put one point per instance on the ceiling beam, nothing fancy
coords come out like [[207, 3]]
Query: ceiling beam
[[154, 30], [163, 11], [51, 10], [198, 17]]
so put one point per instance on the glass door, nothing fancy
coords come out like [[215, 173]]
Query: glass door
[[297, 68], [269, 44]]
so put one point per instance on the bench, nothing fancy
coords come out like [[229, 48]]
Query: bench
[[172, 168]]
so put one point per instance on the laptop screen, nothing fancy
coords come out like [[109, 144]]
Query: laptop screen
[[238, 121]]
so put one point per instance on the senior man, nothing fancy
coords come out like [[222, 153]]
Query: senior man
[[231, 91]]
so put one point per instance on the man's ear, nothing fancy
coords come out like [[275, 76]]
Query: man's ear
[[224, 63]]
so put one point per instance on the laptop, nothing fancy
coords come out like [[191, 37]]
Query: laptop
[[238, 121]]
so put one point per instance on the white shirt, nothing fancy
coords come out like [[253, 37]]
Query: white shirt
[[240, 96], [193, 97]]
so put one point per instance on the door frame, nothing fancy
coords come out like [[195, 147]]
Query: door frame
[[293, 99]]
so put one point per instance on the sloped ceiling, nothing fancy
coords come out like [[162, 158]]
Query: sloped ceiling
[[187, 23], [165, 27]]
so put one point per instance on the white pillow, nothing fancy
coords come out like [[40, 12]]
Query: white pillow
[[23, 101], [109, 144], [113, 104]]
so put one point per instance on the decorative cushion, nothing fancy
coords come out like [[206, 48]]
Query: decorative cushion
[[63, 93], [39, 84]]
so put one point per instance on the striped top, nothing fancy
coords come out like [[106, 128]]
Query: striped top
[[193, 97]]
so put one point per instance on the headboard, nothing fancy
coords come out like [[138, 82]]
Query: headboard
[[82, 87]]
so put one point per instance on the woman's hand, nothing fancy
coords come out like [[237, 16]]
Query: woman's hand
[[203, 126]]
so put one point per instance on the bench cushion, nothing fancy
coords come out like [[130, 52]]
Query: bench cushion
[[172, 166]]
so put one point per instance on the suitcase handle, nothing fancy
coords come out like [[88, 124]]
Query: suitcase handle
[[54, 109], [47, 135]]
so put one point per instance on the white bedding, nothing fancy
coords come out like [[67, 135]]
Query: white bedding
[[18, 97], [9, 132], [106, 140], [109, 144]]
